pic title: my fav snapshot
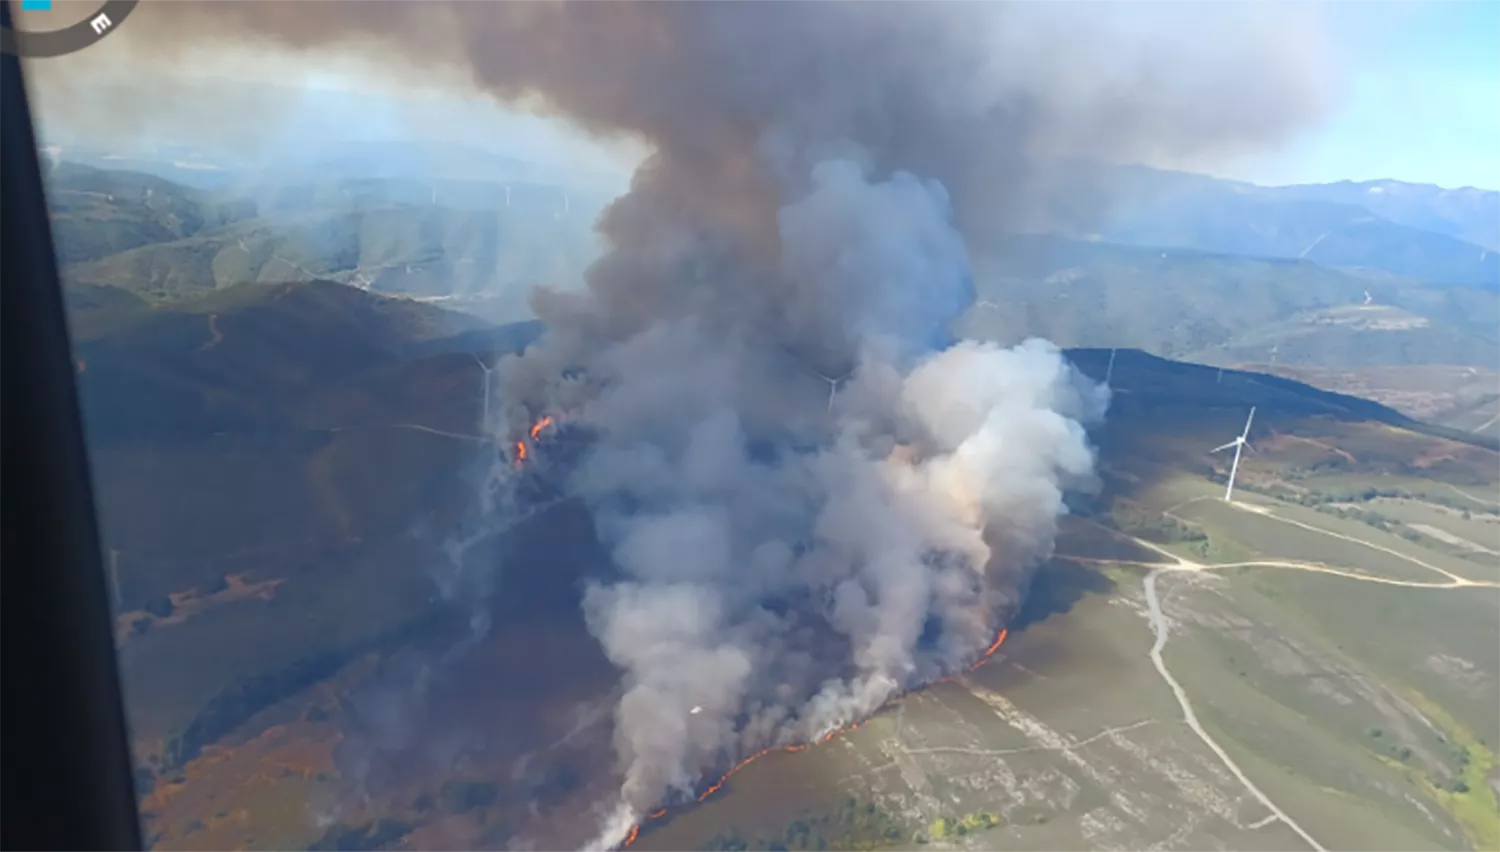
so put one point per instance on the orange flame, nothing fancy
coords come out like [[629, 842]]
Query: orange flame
[[536, 430], [990, 651], [635, 830]]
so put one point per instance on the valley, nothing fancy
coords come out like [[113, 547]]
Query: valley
[[326, 645], [271, 708]]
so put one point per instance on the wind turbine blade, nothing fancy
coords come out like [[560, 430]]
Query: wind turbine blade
[[1225, 447], [1234, 468], [1246, 433]]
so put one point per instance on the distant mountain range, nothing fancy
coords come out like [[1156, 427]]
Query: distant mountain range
[[1190, 266], [1224, 309], [480, 243], [1375, 228]]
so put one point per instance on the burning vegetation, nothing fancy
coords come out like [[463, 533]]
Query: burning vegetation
[[814, 497], [635, 830], [533, 436]]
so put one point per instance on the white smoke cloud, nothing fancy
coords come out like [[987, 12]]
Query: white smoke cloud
[[874, 546], [817, 173]]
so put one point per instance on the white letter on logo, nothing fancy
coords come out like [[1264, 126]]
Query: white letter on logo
[[101, 23]]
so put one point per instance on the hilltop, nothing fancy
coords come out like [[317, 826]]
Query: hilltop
[[478, 243], [255, 451], [281, 468], [1386, 227], [1200, 306], [98, 213], [237, 359]]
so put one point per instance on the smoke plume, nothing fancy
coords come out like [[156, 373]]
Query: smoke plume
[[815, 498]]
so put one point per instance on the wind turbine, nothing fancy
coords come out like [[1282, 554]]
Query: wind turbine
[[805, 365], [1239, 444], [833, 387], [1110, 370], [484, 424]]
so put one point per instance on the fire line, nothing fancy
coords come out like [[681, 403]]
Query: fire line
[[635, 830], [535, 432]]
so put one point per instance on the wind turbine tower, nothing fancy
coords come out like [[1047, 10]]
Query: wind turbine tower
[[114, 579], [484, 424], [1239, 444], [833, 387]]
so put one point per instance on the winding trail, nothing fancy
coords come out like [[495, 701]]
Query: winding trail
[[1159, 628], [1266, 512], [415, 427], [1486, 424], [1315, 567], [1161, 632], [1476, 498]]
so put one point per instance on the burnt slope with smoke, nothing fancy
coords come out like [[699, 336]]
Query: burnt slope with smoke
[[814, 499]]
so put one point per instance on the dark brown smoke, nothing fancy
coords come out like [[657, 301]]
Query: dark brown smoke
[[815, 497]]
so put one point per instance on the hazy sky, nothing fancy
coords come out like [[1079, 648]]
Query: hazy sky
[[1422, 103], [1420, 84]]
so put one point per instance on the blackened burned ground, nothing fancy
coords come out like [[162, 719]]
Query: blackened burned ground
[[323, 694]]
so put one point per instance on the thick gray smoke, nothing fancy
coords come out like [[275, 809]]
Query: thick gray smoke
[[790, 565], [790, 558], [862, 550]]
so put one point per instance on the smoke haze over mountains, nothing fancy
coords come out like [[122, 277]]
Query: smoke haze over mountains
[[818, 172]]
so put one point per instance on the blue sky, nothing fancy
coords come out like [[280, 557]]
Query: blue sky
[[1421, 103], [1420, 85]]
